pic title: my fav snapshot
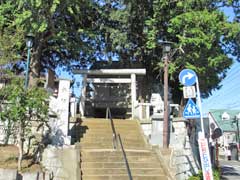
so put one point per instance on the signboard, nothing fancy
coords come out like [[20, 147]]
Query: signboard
[[187, 77], [189, 92], [191, 110], [205, 158], [217, 133]]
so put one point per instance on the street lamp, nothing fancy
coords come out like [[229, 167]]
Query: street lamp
[[166, 49], [29, 43]]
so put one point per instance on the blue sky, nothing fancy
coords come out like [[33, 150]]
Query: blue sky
[[227, 97]]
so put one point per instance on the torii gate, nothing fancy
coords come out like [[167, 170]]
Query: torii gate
[[110, 72]]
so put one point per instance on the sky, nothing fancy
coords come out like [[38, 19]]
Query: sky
[[228, 96]]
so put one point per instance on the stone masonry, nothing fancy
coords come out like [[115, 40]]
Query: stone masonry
[[183, 156]]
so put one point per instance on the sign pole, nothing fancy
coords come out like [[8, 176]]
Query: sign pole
[[203, 143], [188, 77], [200, 106]]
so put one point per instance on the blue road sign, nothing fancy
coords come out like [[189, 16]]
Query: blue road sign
[[187, 77], [191, 110]]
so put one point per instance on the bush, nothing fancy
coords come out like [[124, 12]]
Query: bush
[[199, 176]]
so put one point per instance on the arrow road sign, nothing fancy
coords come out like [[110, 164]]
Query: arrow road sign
[[191, 110], [187, 77]]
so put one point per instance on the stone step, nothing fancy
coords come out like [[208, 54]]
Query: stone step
[[122, 171], [97, 138], [100, 120], [124, 177], [110, 133], [109, 130], [96, 146], [115, 153], [120, 159], [108, 124], [110, 141], [110, 146], [113, 165], [100, 162]]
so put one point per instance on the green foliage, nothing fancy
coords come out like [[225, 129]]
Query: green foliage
[[22, 107], [85, 32], [55, 25], [199, 176], [198, 27]]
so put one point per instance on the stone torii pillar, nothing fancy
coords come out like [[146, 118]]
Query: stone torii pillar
[[133, 93]]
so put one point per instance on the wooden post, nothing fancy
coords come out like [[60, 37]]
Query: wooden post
[[165, 119]]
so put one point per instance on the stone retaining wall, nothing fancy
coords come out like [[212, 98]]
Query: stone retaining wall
[[183, 158], [63, 162]]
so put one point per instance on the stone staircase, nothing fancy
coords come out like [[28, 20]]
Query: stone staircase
[[100, 161]]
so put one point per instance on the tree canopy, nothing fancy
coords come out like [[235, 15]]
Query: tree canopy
[[83, 32]]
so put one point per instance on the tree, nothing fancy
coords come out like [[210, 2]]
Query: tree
[[20, 108], [82, 32], [198, 27], [62, 30]]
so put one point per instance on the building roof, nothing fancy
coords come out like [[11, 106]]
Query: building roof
[[226, 125]]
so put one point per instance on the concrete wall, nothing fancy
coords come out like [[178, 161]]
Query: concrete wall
[[63, 163]]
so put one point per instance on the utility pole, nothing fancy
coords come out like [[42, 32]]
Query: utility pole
[[165, 118], [166, 49], [167, 54]]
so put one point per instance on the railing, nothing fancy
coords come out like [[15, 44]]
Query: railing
[[109, 115], [115, 142], [125, 158]]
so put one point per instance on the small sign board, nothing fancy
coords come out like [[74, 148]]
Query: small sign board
[[189, 92], [205, 158]]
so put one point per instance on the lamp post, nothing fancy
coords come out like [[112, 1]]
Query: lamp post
[[29, 43], [166, 48]]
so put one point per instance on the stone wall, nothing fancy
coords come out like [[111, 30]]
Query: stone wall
[[184, 156], [63, 162], [184, 162], [8, 174], [11, 174]]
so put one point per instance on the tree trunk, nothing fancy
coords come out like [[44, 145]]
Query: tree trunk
[[181, 107], [35, 65], [8, 132], [34, 72], [20, 147]]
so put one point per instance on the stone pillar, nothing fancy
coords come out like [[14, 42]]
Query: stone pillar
[[133, 93], [61, 134], [83, 95], [73, 106]]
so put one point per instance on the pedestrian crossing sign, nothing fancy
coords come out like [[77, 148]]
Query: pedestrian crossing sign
[[191, 111]]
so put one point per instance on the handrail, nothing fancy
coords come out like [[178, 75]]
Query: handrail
[[109, 115], [125, 158]]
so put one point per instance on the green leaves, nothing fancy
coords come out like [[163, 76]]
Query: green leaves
[[54, 5], [20, 105]]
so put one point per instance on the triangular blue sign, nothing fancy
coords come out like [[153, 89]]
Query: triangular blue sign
[[191, 110]]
